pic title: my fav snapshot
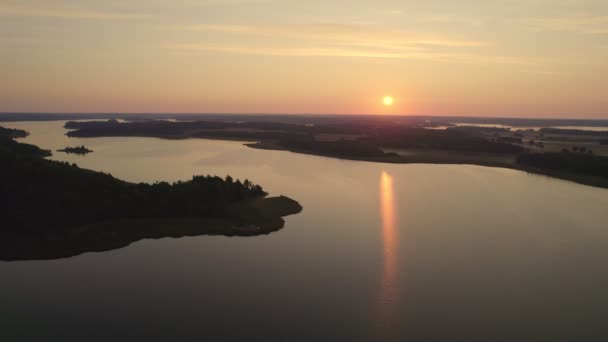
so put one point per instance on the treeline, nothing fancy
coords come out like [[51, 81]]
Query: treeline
[[163, 128], [11, 149], [44, 196], [76, 150], [12, 132], [578, 163], [478, 129], [374, 135], [562, 131], [440, 139], [344, 148]]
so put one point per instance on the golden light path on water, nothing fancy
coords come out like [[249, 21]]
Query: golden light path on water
[[389, 287]]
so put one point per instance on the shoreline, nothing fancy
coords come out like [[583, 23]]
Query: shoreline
[[260, 216], [422, 156], [432, 157]]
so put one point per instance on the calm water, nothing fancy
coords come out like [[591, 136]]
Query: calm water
[[380, 253]]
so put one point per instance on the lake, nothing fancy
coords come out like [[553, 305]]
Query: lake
[[381, 252]]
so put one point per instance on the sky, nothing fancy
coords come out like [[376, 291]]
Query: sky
[[517, 58]]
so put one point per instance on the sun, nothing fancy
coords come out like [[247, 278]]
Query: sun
[[388, 101]]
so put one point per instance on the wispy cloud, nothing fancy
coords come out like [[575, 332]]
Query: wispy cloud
[[8, 10], [331, 40], [576, 24], [339, 34], [285, 51], [391, 12], [320, 51], [435, 17], [454, 19]]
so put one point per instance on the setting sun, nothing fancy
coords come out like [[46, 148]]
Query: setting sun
[[388, 101]]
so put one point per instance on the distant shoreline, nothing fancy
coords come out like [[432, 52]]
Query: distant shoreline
[[443, 158], [426, 157], [563, 154], [301, 118], [390, 142]]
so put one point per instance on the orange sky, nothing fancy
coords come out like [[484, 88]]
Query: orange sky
[[481, 58]]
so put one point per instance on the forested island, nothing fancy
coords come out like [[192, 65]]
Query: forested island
[[75, 150], [575, 155], [56, 209]]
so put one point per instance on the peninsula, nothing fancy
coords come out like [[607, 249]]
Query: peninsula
[[13, 133], [57, 209]]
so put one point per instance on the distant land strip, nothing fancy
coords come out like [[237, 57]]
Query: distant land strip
[[576, 155]]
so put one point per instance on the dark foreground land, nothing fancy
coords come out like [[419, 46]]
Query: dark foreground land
[[577, 155], [55, 209]]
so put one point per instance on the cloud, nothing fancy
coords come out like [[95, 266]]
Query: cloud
[[338, 34], [454, 19], [391, 12], [285, 51], [7, 10], [332, 40], [576, 24], [320, 51]]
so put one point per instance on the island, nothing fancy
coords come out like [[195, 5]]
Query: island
[[75, 150], [576, 155], [56, 209]]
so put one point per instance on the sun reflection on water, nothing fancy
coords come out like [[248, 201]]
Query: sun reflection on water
[[389, 288]]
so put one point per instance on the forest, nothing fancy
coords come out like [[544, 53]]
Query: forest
[[456, 139], [573, 162], [12, 133], [48, 195], [371, 137]]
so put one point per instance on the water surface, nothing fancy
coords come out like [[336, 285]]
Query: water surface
[[381, 252]]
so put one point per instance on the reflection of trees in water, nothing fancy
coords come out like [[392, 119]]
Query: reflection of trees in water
[[251, 220]]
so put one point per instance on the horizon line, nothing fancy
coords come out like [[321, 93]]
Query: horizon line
[[306, 114]]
